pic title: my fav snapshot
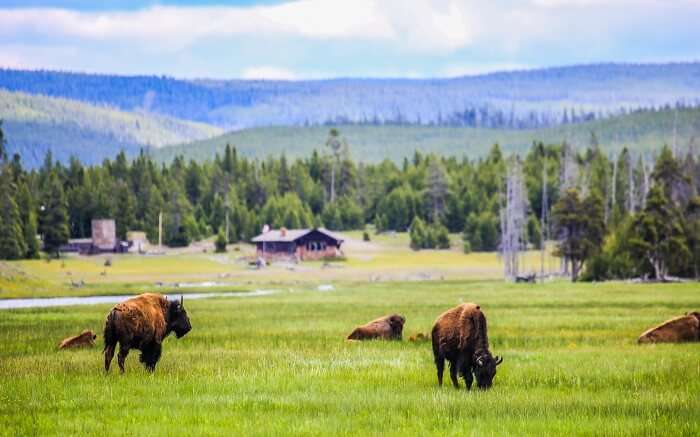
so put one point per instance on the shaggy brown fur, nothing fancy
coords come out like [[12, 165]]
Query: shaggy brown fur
[[419, 337], [142, 323], [678, 329], [385, 328], [460, 337], [84, 339]]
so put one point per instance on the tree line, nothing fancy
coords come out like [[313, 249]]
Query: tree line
[[611, 216]]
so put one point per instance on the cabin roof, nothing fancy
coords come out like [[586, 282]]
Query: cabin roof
[[291, 235]]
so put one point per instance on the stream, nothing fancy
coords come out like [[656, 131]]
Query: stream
[[46, 302]]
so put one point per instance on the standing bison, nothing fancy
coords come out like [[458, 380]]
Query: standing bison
[[142, 323], [460, 337], [678, 329], [384, 328]]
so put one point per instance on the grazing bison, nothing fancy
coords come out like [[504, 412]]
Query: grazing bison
[[142, 323], [84, 339], [678, 329], [385, 328], [460, 337]]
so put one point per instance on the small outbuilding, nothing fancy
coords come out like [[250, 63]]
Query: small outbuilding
[[298, 244]]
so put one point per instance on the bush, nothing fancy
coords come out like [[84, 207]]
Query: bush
[[433, 236], [467, 246], [220, 242], [365, 236]]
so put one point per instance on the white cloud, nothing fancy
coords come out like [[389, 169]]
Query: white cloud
[[421, 26], [268, 72]]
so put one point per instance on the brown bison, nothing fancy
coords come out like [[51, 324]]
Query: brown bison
[[84, 339], [384, 328], [418, 337], [676, 330], [460, 337], [142, 323]]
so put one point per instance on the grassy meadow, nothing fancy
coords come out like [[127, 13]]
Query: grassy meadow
[[279, 364]]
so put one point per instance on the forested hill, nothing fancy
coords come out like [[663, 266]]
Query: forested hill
[[640, 131], [520, 99], [34, 124]]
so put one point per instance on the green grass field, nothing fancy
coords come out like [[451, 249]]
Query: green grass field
[[279, 365]]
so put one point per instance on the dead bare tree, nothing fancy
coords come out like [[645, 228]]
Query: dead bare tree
[[513, 219]]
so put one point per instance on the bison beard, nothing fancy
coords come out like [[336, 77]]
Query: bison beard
[[460, 337], [385, 328], [142, 323]]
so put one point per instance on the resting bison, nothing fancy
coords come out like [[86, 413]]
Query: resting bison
[[85, 338], [460, 337], [385, 328], [418, 337], [678, 329], [142, 323]]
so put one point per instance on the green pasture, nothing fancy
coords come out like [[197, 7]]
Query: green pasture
[[278, 365], [386, 258]]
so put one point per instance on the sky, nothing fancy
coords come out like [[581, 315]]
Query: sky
[[314, 39]]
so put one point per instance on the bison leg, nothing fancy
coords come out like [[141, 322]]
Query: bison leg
[[440, 364], [109, 354], [454, 367], [121, 358], [150, 355], [466, 372]]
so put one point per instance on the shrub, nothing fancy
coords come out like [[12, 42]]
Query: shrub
[[220, 242]]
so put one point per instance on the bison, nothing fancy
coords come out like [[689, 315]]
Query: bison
[[678, 329], [418, 337], [84, 339], [142, 323], [460, 337], [384, 328]]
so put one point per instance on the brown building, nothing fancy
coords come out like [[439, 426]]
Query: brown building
[[298, 244], [104, 239]]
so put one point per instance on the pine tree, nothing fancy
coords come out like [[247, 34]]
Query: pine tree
[[658, 235], [581, 228], [3, 150], [54, 216], [12, 244], [28, 218]]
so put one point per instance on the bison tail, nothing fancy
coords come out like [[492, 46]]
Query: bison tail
[[110, 334]]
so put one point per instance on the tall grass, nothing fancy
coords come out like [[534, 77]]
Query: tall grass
[[279, 365]]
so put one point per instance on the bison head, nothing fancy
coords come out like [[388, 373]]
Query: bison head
[[177, 318], [396, 323], [485, 369]]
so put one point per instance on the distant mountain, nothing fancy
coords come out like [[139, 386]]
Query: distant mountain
[[640, 131], [512, 100], [33, 124]]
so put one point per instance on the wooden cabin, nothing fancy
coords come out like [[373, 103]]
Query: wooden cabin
[[298, 244]]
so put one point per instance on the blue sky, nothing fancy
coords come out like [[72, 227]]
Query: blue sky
[[332, 38]]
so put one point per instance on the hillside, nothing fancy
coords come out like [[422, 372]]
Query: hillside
[[518, 99], [640, 131], [33, 124]]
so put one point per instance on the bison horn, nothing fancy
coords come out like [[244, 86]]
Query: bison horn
[[499, 360], [182, 299], [480, 361]]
